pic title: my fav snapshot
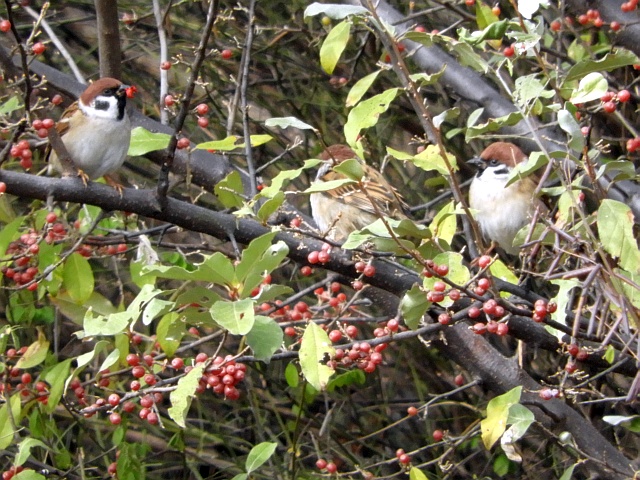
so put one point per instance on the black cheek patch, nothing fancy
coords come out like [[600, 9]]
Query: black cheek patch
[[101, 105]]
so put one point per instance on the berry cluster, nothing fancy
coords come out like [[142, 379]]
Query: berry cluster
[[610, 99], [21, 381], [13, 471], [24, 252], [361, 355], [222, 375]]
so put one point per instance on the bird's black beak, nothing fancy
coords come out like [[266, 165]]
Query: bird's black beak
[[478, 163], [122, 90]]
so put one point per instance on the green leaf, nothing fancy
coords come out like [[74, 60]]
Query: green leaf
[[111, 359], [216, 268], [330, 185], [431, 159], [231, 143], [334, 45], [346, 379], [181, 397], [528, 89], [495, 424], [458, 273], [10, 105], [170, 331], [56, 377], [315, 350], [259, 454], [536, 161], [445, 223], [334, 11], [492, 125], [241, 476], [591, 87], [360, 88], [609, 355], [366, 114], [265, 338], [259, 257], [562, 298], [77, 278], [413, 306], [568, 473], [9, 233], [237, 317], [629, 290], [154, 308], [416, 474], [271, 206], [283, 177], [612, 61], [631, 423], [446, 116], [615, 229], [499, 270], [286, 122], [29, 475], [229, 190], [520, 418], [501, 465], [424, 79], [6, 424], [143, 141], [36, 352], [291, 375], [269, 292], [568, 123], [105, 325], [24, 450], [351, 168]]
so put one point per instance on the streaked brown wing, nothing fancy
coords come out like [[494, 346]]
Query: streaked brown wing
[[380, 193]]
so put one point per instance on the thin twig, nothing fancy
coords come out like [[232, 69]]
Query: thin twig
[[244, 83]]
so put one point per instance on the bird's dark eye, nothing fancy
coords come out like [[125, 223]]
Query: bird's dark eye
[[493, 162], [107, 92]]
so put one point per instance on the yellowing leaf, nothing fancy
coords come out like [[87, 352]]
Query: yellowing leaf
[[334, 45], [615, 228], [495, 424], [366, 114], [360, 88], [315, 350], [36, 352], [181, 397]]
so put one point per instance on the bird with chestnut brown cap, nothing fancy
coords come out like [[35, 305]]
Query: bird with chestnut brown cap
[[352, 206], [95, 131], [501, 210]]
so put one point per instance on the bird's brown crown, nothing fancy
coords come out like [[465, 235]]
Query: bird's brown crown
[[503, 152], [99, 87], [337, 153]]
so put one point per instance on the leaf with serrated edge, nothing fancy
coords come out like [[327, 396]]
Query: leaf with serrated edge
[[315, 350], [181, 397]]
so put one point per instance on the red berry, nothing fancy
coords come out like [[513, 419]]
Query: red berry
[[321, 464], [312, 258], [369, 271], [438, 435], [138, 371], [470, 3], [351, 331], [183, 143], [26, 163], [484, 261], [479, 328], [290, 332], [473, 312], [545, 394], [226, 54], [420, 29], [306, 271], [165, 65], [583, 19], [335, 335], [112, 469], [582, 355], [624, 96], [177, 363], [444, 319], [5, 26], [128, 406], [202, 109], [454, 294], [121, 248], [509, 51], [131, 91], [570, 367], [38, 48], [133, 360], [459, 380], [152, 418], [331, 467], [203, 122], [404, 459], [496, 11], [489, 307], [393, 325], [442, 270], [323, 256], [169, 101], [556, 25], [484, 283], [439, 286], [114, 399], [359, 266], [412, 411], [3, 187], [552, 306], [503, 329], [26, 378], [615, 26], [56, 100], [609, 107], [357, 285], [573, 349]]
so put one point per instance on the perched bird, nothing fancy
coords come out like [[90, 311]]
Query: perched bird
[[347, 208], [95, 130], [502, 211]]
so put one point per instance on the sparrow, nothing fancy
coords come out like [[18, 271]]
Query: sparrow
[[95, 130], [502, 211], [340, 211]]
